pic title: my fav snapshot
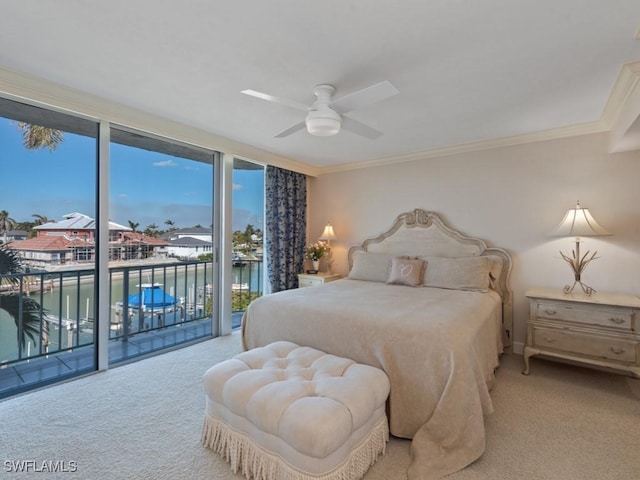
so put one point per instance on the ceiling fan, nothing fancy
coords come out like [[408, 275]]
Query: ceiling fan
[[326, 116]]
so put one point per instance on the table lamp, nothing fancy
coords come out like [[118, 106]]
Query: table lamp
[[578, 222], [328, 235]]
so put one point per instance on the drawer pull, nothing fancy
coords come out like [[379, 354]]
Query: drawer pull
[[616, 320], [549, 340], [548, 311], [616, 350]]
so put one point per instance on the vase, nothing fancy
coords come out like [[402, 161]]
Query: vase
[[316, 264]]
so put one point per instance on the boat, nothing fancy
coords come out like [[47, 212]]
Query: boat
[[151, 299]]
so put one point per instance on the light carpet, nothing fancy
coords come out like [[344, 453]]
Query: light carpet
[[143, 421]]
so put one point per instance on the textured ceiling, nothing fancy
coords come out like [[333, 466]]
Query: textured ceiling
[[466, 71]]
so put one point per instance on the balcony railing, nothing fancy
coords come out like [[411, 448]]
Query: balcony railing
[[152, 307]]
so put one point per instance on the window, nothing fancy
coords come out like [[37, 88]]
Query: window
[[159, 188], [248, 225], [49, 166]]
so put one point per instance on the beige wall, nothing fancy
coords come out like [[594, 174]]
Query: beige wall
[[512, 197]]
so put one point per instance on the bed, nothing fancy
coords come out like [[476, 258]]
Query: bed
[[437, 330]]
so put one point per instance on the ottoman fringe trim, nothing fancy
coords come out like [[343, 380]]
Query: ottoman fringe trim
[[254, 462]]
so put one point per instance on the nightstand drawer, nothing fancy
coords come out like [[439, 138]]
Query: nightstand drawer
[[308, 281], [313, 279], [605, 316], [585, 344]]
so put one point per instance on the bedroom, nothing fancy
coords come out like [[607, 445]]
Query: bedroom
[[509, 185], [546, 152]]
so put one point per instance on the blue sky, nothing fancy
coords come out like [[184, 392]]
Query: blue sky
[[145, 187]]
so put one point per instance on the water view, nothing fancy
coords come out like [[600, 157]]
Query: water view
[[160, 207], [183, 292]]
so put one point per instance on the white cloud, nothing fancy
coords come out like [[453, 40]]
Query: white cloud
[[165, 163], [237, 186]]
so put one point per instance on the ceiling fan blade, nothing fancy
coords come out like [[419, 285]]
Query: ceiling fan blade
[[367, 96], [290, 130], [282, 101], [360, 128]]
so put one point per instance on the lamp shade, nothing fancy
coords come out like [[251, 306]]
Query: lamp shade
[[578, 222], [328, 233]]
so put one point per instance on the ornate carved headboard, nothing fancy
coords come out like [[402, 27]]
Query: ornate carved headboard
[[422, 233]]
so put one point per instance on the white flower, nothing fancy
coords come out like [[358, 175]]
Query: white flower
[[315, 251]]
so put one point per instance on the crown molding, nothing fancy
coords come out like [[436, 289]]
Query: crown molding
[[626, 83], [624, 102], [552, 134], [32, 90]]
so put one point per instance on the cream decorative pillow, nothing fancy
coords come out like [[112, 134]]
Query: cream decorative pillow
[[406, 271], [373, 267], [460, 273]]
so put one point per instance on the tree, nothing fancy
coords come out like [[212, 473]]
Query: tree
[[133, 226], [244, 241], [10, 263], [171, 224], [35, 137], [40, 219], [6, 223], [151, 230]]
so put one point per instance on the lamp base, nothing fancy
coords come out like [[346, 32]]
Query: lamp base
[[578, 264], [585, 288]]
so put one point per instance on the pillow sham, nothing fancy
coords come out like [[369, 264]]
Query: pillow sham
[[372, 267], [406, 271], [459, 273]]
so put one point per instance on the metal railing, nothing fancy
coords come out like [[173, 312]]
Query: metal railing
[[59, 308]]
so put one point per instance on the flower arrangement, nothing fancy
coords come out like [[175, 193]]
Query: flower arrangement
[[315, 251]]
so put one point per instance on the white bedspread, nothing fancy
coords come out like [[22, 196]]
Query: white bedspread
[[439, 348]]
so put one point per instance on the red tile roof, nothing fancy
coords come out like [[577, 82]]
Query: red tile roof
[[44, 243]]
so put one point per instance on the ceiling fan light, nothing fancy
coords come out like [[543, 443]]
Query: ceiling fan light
[[323, 127], [323, 122]]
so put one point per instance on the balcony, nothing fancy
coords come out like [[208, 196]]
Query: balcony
[[153, 307]]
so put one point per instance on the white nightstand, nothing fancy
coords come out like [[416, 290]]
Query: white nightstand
[[601, 329], [310, 279]]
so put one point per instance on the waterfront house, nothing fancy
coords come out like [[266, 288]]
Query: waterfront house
[[71, 241], [16, 235], [188, 243]]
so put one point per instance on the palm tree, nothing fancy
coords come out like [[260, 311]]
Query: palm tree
[[171, 224], [6, 223], [10, 263], [133, 226], [35, 137], [151, 230], [40, 219]]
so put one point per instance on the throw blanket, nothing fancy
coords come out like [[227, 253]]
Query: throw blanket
[[439, 348]]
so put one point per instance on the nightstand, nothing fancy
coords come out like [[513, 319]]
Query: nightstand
[[309, 279], [602, 329]]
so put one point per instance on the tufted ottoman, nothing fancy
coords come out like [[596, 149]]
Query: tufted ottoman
[[285, 412]]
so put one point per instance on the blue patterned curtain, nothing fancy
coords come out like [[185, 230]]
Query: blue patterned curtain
[[285, 226]]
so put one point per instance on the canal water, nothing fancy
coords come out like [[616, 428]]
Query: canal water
[[75, 299]]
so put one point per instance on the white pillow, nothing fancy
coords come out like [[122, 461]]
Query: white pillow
[[372, 267], [459, 273]]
